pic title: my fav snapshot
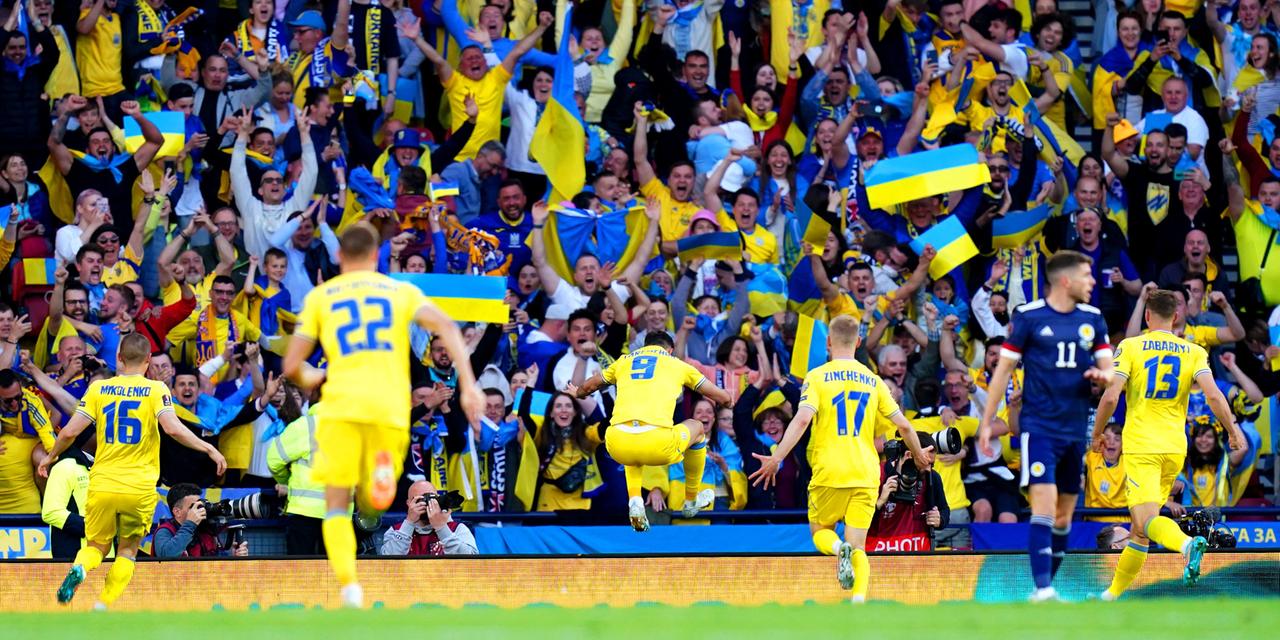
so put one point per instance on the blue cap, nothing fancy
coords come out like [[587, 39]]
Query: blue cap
[[406, 139], [309, 20]]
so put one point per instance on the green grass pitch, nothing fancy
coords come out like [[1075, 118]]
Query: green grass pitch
[[1150, 619]]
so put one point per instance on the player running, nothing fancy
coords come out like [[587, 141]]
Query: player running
[[842, 397], [1062, 343], [1158, 370], [125, 411], [361, 319], [650, 381]]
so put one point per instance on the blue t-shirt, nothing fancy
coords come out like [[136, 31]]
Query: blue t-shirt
[[1056, 349]]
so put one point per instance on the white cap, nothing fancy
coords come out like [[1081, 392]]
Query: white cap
[[558, 312]]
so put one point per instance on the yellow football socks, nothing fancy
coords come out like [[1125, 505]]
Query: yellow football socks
[[826, 541], [1165, 532], [88, 558], [1127, 568], [117, 579], [695, 460], [861, 573], [340, 545], [635, 480]]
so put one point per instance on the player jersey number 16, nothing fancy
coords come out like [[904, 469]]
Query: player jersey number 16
[[373, 314], [121, 427], [841, 402]]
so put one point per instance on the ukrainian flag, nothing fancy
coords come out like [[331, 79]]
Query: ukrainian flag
[[526, 485], [815, 225], [810, 351], [924, 174], [172, 125], [720, 245], [1017, 228], [803, 294], [560, 139], [463, 298], [767, 290], [951, 241], [437, 190], [39, 271]]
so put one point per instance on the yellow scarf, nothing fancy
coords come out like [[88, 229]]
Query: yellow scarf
[[373, 39], [759, 124]]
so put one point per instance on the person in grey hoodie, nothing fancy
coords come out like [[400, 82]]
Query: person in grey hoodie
[[263, 207], [427, 529]]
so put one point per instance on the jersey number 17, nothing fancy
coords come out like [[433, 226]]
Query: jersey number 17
[[841, 402]]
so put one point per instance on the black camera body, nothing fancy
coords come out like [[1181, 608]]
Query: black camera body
[[447, 500], [255, 506], [1203, 523], [945, 441]]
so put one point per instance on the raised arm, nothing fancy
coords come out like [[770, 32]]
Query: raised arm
[[635, 270], [342, 25], [1235, 329], [1246, 384], [550, 279], [152, 138], [640, 147], [527, 43], [413, 31], [430, 317], [1118, 163]]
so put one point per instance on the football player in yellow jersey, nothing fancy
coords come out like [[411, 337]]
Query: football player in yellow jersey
[[841, 397], [1157, 370], [650, 380], [126, 411], [361, 319]]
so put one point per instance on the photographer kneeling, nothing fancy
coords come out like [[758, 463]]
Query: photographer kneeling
[[191, 532], [427, 529], [911, 503]]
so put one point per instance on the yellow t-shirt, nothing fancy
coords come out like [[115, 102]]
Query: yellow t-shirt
[[98, 55], [125, 270], [488, 94], [185, 337], [762, 245], [676, 215], [1254, 244], [1104, 484], [845, 397], [649, 382], [64, 78], [171, 293], [1159, 368], [126, 410], [361, 319]]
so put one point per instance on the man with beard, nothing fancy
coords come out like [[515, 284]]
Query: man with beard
[[589, 276], [102, 167], [191, 265], [1202, 335], [264, 209], [215, 101], [1149, 186], [511, 225], [1060, 231], [207, 332], [1190, 212], [122, 313]]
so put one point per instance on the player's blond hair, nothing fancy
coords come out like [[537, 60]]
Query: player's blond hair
[[844, 331], [358, 241], [135, 348]]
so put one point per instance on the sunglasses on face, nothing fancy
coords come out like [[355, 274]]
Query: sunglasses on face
[[272, 180], [999, 168], [109, 240], [11, 402]]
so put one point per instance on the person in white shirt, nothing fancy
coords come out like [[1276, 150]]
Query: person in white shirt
[[1174, 95]]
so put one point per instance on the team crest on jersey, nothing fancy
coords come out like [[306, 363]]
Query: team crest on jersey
[[1086, 334], [1037, 469], [167, 401]]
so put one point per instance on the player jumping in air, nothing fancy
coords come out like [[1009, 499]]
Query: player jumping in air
[[846, 402], [361, 319], [650, 381], [1063, 345], [127, 412], [1156, 371]]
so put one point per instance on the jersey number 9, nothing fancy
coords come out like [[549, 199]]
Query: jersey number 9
[[642, 367], [374, 314], [121, 427], [858, 398]]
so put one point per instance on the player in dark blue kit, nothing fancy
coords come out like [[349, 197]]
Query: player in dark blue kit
[[1063, 345]]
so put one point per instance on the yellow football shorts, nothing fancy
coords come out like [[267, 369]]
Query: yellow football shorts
[[853, 505], [108, 514], [1149, 476], [347, 451], [638, 444]]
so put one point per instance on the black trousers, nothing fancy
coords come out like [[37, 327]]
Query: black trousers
[[303, 536]]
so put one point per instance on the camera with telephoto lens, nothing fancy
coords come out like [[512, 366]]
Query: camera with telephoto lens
[[944, 441], [1203, 523], [447, 501], [255, 506]]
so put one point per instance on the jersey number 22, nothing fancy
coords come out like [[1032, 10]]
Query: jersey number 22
[[372, 313]]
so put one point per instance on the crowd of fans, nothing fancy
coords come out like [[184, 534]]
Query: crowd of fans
[[700, 116]]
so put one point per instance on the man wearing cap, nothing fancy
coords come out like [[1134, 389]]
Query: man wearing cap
[[1149, 186], [406, 150], [319, 61]]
